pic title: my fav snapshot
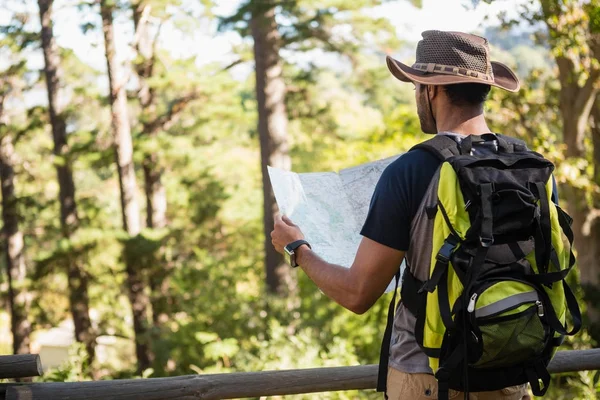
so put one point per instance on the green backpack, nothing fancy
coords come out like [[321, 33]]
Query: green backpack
[[494, 309]]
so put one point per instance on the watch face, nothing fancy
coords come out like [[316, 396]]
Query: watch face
[[288, 255], [288, 251]]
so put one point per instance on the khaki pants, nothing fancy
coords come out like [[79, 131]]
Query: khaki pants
[[403, 386]]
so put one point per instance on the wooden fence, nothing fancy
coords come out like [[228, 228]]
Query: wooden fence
[[244, 384]]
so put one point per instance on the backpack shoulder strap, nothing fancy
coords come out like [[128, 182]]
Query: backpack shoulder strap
[[444, 147], [513, 144], [441, 146]]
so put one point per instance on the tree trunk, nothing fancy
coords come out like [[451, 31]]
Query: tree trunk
[[13, 249], [589, 261], [128, 189], [576, 106], [156, 208], [272, 130], [77, 277], [573, 106], [156, 197], [144, 47]]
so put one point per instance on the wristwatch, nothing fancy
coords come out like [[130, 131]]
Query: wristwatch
[[290, 251]]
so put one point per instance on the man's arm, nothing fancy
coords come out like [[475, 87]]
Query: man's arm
[[356, 288]]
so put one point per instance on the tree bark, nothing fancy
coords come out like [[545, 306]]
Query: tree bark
[[77, 277], [577, 108], [575, 105], [14, 251], [128, 190], [590, 265], [156, 208], [156, 199], [586, 225], [156, 195], [144, 46], [272, 130]]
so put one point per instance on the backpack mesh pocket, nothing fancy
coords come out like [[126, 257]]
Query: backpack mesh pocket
[[510, 339]]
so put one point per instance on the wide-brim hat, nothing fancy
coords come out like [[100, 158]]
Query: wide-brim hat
[[447, 58]]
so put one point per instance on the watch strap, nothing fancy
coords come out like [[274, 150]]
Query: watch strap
[[294, 245], [290, 249]]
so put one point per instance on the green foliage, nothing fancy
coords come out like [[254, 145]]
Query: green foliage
[[593, 12], [576, 385], [336, 26], [72, 370]]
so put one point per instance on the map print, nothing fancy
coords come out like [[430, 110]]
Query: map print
[[360, 182], [330, 208]]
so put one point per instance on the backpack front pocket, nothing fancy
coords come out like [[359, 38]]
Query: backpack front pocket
[[508, 317]]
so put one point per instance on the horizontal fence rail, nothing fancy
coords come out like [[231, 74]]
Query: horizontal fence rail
[[20, 366], [246, 384]]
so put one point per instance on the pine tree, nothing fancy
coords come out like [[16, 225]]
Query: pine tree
[[69, 220], [14, 249], [307, 26], [130, 211]]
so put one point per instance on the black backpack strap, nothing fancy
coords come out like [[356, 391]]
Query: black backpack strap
[[466, 144], [444, 147], [550, 277], [441, 263], [441, 146], [453, 358], [414, 298], [385, 345], [572, 307], [514, 144], [536, 373], [506, 144]]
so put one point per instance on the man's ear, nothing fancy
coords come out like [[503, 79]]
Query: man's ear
[[434, 90]]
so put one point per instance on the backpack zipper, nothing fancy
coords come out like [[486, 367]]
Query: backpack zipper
[[468, 204], [471, 306], [473, 298], [540, 308]]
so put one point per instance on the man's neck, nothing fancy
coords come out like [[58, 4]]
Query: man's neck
[[463, 122]]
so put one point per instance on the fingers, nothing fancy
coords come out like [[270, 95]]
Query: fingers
[[277, 219], [284, 232], [283, 219], [287, 220]]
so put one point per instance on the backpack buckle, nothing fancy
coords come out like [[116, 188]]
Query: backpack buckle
[[445, 252], [442, 260], [486, 242], [447, 248]]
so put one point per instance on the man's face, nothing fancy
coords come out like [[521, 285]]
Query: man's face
[[424, 110]]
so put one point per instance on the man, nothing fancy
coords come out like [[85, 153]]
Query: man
[[452, 77]]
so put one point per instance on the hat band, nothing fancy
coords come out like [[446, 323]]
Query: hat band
[[451, 70]]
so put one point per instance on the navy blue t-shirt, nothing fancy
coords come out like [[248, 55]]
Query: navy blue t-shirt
[[397, 197]]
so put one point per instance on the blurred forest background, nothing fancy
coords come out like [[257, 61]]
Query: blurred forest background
[[134, 201]]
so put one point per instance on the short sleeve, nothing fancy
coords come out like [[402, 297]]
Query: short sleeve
[[397, 197]]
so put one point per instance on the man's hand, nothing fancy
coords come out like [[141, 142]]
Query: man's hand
[[284, 233], [355, 288]]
